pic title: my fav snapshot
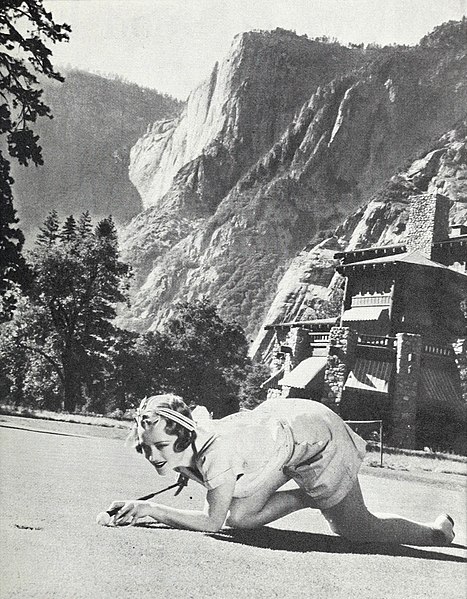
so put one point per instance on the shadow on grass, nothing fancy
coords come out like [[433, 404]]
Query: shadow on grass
[[308, 542], [304, 542]]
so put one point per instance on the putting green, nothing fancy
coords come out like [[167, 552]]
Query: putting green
[[53, 486]]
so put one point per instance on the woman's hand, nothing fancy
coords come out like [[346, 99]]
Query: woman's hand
[[210, 519], [129, 512]]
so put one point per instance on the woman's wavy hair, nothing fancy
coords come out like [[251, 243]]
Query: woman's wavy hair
[[168, 400]]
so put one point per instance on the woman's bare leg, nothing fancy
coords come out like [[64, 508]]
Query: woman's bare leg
[[351, 519], [267, 505]]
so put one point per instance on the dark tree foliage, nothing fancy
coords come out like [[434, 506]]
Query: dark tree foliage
[[251, 392], [49, 232], [198, 356], [67, 320], [12, 264], [85, 225], [68, 232], [139, 365], [209, 357], [59, 351], [25, 26]]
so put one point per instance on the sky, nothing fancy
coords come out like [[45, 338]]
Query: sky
[[172, 45]]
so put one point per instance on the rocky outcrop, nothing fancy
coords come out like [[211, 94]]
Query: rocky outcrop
[[237, 114], [309, 285], [236, 217]]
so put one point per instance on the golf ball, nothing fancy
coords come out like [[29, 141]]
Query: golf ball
[[103, 519]]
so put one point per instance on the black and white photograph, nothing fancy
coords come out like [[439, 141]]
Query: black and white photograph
[[233, 299]]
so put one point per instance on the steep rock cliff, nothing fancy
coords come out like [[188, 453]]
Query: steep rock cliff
[[184, 168], [237, 114], [236, 234], [310, 283]]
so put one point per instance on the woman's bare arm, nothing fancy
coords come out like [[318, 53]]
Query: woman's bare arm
[[211, 519]]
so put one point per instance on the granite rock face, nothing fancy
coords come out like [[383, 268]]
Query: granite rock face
[[307, 289], [245, 190], [236, 115]]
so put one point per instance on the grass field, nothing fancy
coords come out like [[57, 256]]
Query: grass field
[[393, 459], [57, 476]]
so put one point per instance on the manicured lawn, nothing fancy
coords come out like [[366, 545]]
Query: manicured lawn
[[53, 485]]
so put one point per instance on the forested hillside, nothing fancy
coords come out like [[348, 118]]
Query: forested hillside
[[86, 148]]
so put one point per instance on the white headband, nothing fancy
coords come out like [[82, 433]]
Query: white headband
[[166, 413], [176, 417]]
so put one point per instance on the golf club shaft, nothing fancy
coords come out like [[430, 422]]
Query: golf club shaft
[[115, 510]]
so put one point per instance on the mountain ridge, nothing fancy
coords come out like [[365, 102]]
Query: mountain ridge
[[241, 193], [339, 147], [240, 110]]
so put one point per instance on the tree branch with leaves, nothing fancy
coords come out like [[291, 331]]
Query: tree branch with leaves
[[25, 29]]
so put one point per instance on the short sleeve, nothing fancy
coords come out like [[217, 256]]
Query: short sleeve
[[217, 463]]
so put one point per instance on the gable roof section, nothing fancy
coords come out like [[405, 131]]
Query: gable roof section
[[304, 373], [366, 313], [370, 375], [439, 389], [414, 258]]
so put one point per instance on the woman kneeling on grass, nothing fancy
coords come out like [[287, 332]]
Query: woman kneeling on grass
[[244, 459]]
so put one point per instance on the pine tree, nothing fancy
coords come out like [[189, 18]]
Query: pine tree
[[84, 225], [49, 232], [106, 229], [69, 229]]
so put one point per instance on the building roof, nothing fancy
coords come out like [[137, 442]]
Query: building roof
[[439, 390], [329, 322], [370, 375], [365, 313], [304, 373], [415, 258], [451, 243], [381, 249], [272, 379]]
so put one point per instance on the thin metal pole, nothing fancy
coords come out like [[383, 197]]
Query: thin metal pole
[[381, 443]]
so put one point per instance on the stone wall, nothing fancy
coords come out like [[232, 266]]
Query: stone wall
[[407, 376], [278, 358], [302, 348], [428, 222], [341, 358]]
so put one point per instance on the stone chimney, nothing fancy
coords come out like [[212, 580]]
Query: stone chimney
[[428, 222]]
